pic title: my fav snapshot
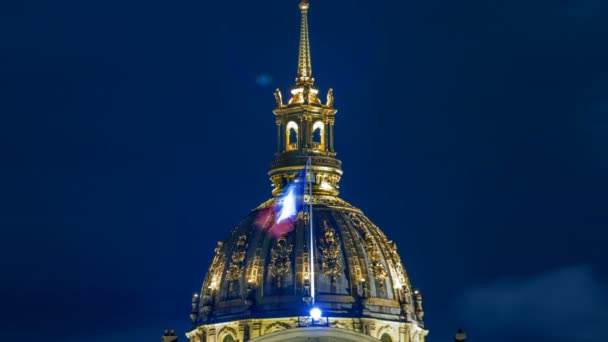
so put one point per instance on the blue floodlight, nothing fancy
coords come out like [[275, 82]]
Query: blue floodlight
[[315, 313]]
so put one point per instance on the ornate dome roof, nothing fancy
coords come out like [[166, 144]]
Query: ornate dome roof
[[358, 270], [332, 256]]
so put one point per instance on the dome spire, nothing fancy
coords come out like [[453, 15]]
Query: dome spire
[[304, 63], [305, 128]]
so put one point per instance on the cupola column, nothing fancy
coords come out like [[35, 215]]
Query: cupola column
[[301, 137], [278, 136], [331, 135], [308, 131]]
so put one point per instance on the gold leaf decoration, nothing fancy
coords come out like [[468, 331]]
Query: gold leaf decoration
[[330, 248], [375, 257], [235, 270], [216, 268], [280, 265]]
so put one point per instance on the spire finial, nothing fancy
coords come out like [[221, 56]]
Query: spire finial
[[304, 64]]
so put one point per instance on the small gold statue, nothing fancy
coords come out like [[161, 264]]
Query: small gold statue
[[279, 98], [330, 98]]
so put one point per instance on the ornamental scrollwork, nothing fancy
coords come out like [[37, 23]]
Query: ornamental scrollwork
[[329, 201], [354, 218], [216, 268], [375, 257], [235, 270], [280, 265], [401, 274], [330, 248]]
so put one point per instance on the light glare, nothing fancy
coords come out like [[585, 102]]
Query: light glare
[[289, 206]]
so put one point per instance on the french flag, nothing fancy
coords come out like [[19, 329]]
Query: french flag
[[280, 218]]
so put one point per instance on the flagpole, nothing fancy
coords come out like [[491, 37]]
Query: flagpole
[[312, 248]]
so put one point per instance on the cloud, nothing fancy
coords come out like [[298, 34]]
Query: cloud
[[570, 304]]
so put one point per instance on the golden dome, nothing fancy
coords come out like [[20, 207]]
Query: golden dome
[[358, 270], [258, 283]]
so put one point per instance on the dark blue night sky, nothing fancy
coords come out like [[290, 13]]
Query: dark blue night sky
[[136, 134]]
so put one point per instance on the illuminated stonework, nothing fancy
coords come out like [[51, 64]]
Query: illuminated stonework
[[288, 328], [259, 288]]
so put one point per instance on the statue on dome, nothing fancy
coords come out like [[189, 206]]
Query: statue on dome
[[330, 98], [279, 97]]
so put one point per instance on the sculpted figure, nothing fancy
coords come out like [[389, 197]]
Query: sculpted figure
[[330, 98], [279, 97], [219, 247]]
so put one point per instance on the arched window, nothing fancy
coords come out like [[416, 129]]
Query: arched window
[[228, 338], [318, 135], [386, 338], [291, 134]]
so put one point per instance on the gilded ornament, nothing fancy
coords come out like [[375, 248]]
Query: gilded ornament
[[330, 248], [329, 201], [216, 268], [401, 274], [306, 94], [235, 270], [279, 98], [280, 265], [354, 218], [218, 248], [375, 257], [253, 277], [330, 98]]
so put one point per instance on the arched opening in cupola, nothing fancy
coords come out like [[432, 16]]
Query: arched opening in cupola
[[291, 135], [318, 136]]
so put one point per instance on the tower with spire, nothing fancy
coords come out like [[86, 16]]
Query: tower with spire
[[305, 127], [335, 276]]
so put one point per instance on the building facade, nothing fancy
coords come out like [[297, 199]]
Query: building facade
[[335, 276]]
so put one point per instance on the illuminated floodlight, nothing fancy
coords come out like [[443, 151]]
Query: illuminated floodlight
[[315, 313]]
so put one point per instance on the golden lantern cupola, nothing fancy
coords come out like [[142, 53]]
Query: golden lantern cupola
[[305, 127]]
